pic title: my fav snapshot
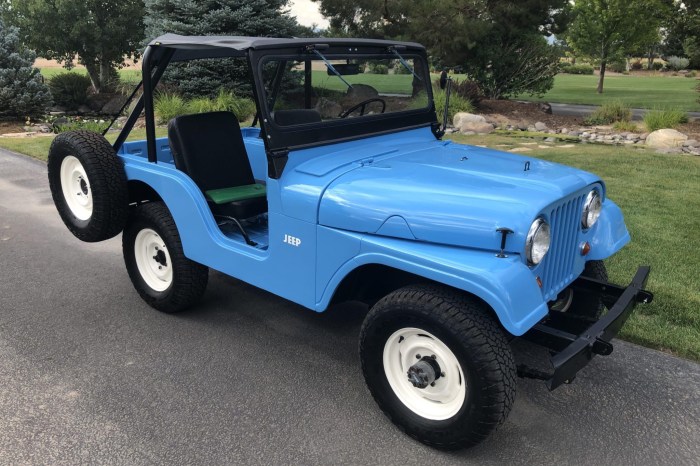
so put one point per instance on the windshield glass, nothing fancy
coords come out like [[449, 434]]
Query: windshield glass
[[319, 88]]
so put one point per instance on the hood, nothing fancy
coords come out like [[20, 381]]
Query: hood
[[448, 193]]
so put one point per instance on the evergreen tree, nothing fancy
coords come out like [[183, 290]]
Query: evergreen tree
[[256, 18], [22, 90]]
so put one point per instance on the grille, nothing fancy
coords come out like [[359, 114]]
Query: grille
[[557, 268]]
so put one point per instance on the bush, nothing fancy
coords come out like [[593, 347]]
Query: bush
[[22, 90], [617, 66], [457, 104], [678, 63], [378, 68], [609, 113], [400, 69], [625, 126], [225, 101], [168, 106], [70, 90], [691, 74], [664, 118], [97, 126], [576, 69], [525, 65]]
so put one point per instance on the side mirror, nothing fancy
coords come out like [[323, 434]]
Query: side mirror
[[443, 79]]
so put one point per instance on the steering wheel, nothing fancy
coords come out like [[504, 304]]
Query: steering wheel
[[362, 105]]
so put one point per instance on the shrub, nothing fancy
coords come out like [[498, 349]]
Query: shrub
[[617, 66], [664, 118], [576, 69], [70, 90], [657, 66], [97, 126], [168, 106], [400, 69], [457, 104], [378, 68], [609, 113], [22, 90], [225, 101], [625, 126], [691, 74], [678, 63]]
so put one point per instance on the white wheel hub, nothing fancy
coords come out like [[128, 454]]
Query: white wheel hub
[[446, 395], [76, 188], [153, 260]]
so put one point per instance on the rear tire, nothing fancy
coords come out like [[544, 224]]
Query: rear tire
[[88, 185], [164, 278], [476, 388]]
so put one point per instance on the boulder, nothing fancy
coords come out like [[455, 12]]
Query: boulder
[[691, 143], [84, 109], [497, 120], [463, 117], [546, 108], [666, 139], [113, 106], [539, 126], [476, 127]]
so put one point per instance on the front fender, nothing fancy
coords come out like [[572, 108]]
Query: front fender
[[505, 284], [610, 232]]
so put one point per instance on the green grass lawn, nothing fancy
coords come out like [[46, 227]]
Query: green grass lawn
[[635, 91], [384, 83], [660, 198], [38, 147]]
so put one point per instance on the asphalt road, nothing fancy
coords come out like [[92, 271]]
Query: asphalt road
[[585, 110], [90, 375]]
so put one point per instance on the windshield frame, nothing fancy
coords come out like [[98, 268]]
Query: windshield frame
[[280, 138]]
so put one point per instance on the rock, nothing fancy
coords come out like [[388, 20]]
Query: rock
[[523, 125], [575, 133], [497, 120], [469, 133], [114, 105], [643, 136], [550, 140], [666, 139], [84, 109], [691, 143], [476, 127], [631, 136], [539, 126], [328, 108], [546, 108], [669, 150], [60, 121], [565, 131], [463, 117], [45, 128], [585, 135], [58, 110], [532, 129]]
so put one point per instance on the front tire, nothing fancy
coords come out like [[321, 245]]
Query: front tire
[[166, 279], [474, 388], [587, 305]]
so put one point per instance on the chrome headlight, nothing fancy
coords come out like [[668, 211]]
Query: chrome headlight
[[591, 209], [537, 242]]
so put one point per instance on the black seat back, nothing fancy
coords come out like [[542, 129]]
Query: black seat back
[[296, 117], [209, 148]]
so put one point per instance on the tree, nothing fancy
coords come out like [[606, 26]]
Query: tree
[[683, 31], [257, 18], [22, 90], [100, 32], [475, 34], [607, 30]]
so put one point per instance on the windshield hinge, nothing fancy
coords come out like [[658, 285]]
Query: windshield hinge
[[276, 161]]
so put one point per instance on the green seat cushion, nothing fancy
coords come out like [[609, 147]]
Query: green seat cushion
[[237, 193]]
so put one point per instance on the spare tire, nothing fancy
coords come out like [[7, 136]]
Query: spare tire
[[88, 185]]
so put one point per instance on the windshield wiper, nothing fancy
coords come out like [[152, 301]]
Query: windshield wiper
[[332, 68], [404, 63]]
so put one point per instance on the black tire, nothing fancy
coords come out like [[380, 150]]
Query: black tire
[[586, 305], [188, 279], [107, 185], [468, 329]]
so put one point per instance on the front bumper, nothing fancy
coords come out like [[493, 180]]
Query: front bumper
[[574, 340]]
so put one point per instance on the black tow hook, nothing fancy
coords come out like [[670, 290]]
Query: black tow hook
[[425, 372]]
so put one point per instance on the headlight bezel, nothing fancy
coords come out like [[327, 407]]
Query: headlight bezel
[[539, 227], [593, 204]]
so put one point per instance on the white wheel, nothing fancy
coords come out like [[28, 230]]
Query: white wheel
[[76, 188], [153, 260], [441, 399]]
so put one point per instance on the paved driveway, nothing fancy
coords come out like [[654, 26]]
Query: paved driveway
[[89, 374]]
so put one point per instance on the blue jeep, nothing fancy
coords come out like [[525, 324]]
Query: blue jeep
[[345, 190]]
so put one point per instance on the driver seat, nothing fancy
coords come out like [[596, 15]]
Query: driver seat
[[209, 148]]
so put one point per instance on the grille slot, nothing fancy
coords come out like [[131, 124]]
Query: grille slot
[[557, 266]]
